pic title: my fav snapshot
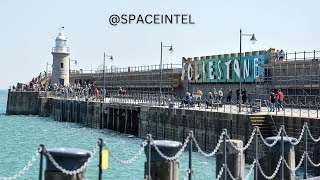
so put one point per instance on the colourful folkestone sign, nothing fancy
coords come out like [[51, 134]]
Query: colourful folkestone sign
[[223, 70]]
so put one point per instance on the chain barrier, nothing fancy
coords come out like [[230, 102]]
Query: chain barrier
[[26, 168], [250, 170], [300, 137], [274, 173], [134, 158], [220, 172], [230, 174], [313, 139], [312, 163], [248, 143], [215, 149], [83, 167], [187, 174], [274, 142], [293, 170], [194, 174], [175, 156]]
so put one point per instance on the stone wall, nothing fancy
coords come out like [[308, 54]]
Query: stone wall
[[23, 103]]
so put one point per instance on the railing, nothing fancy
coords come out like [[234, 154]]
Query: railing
[[303, 56], [60, 49]]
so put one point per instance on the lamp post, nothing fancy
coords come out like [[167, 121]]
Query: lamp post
[[47, 66], [75, 63], [104, 68], [253, 40], [170, 50]]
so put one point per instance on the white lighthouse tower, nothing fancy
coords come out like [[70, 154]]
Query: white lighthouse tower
[[60, 64]]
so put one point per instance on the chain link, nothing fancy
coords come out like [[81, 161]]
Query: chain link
[[251, 170], [312, 163], [194, 175], [220, 172], [274, 173], [215, 149], [293, 170], [187, 174], [313, 139], [300, 137], [274, 142], [230, 174], [77, 171], [26, 168], [178, 153], [135, 157]]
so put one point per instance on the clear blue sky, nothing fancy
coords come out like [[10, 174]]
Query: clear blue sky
[[28, 30]]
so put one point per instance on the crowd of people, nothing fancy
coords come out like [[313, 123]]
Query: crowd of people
[[215, 97]]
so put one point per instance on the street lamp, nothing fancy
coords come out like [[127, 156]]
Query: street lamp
[[253, 40], [75, 63], [104, 68], [47, 67], [170, 50]]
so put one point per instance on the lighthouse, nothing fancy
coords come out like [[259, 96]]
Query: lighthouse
[[60, 64]]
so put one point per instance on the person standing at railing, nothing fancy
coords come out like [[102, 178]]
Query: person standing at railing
[[238, 95], [272, 100], [280, 99], [209, 100], [229, 95], [281, 55], [244, 95], [220, 93]]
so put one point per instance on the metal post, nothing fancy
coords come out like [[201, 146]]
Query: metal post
[[41, 160], [149, 137], [225, 153], [309, 109], [240, 95], [256, 153], [292, 108], [160, 69], [282, 154], [190, 154], [100, 143], [305, 174], [300, 108], [104, 66]]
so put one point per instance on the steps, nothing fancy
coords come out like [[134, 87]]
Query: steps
[[265, 129], [263, 125]]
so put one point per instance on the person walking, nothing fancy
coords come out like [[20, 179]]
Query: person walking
[[272, 100], [280, 99]]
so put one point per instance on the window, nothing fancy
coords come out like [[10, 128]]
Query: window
[[61, 65]]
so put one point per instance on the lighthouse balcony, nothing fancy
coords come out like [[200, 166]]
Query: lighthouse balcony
[[60, 50]]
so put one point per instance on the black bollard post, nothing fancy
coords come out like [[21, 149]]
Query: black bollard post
[[158, 166], [190, 154], [225, 153], [100, 143], [69, 159], [42, 150], [282, 153], [305, 174]]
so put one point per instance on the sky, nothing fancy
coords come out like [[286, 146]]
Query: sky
[[28, 30]]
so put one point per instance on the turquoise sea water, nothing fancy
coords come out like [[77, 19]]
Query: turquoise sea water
[[20, 136]]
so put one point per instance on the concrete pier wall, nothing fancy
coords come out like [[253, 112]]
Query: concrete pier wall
[[23, 103], [161, 122]]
